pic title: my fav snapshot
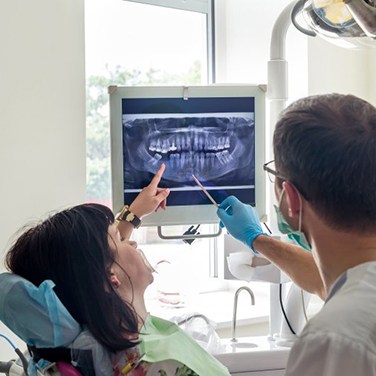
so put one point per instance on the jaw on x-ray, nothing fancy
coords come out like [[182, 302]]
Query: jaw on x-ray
[[217, 149]]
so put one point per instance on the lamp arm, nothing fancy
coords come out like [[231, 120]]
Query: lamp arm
[[278, 39], [277, 94]]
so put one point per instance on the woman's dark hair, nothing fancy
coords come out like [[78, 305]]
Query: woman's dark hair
[[71, 248], [326, 146]]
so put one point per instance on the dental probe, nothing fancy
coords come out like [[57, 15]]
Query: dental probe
[[205, 191]]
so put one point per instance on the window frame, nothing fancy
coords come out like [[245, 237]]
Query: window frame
[[200, 6], [207, 8]]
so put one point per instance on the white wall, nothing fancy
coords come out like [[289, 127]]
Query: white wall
[[42, 113], [335, 69], [243, 42]]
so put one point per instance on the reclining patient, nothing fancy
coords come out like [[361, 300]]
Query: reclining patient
[[100, 277]]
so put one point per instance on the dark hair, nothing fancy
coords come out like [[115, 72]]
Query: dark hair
[[326, 146], [71, 248]]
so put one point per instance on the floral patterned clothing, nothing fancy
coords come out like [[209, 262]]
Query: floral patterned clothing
[[164, 350]]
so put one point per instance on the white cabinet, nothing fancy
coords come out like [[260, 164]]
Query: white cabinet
[[254, 356]]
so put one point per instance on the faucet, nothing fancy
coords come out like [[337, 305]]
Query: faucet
[[195, 315], [245, 288]]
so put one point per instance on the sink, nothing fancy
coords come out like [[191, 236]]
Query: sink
[[252, 354], [241, 344]]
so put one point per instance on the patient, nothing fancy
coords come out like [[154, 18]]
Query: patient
[[101, 277]]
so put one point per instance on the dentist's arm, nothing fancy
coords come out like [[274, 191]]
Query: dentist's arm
[[296, 262], [242, 222]]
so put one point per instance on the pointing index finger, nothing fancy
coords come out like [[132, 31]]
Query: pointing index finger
[[158, 175]]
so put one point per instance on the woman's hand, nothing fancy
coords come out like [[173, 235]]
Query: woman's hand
[[151, 198]]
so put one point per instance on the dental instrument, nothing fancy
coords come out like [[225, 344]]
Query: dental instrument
[[205, 191]]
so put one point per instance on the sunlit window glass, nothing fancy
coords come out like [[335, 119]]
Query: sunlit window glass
[[134, 44], [130, 44]]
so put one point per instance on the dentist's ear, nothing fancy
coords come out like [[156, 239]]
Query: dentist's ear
[[293, 199], [114, 280]]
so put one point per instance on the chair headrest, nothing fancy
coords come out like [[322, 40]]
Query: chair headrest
[[35, 314]]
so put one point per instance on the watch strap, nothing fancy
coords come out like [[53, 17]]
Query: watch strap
[[127, 216]]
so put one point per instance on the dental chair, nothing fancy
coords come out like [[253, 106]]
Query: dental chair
[[54, 339]]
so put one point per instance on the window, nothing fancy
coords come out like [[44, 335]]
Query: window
[[136, 43], [145, 43]]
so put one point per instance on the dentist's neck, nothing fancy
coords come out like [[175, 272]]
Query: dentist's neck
[[336, 251]]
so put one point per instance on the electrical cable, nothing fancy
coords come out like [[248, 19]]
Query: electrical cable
[[281, 302], [283, 310], [24, 361], [8, 339], [280, 297], [18, 352]]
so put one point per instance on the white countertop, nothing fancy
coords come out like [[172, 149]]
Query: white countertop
[[218, 307], [253, 354]]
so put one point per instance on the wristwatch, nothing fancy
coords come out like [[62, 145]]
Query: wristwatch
[[127, 216]]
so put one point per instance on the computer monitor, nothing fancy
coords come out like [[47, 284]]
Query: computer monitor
[[215, 132]]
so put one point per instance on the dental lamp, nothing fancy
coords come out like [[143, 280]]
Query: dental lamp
[[347, 23], [338, 21]]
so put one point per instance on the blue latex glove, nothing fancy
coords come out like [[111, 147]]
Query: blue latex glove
[[241, 220]]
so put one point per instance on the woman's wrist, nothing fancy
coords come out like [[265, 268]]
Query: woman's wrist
[[136, 210], [127, 215]]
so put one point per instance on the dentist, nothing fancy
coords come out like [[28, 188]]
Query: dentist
[[325, 184]]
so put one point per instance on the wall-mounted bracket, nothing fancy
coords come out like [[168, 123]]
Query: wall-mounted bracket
[[191, 236]]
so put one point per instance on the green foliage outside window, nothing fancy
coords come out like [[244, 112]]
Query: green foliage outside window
[[97, 117]]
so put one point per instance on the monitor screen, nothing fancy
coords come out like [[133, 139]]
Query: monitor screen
[[211, 134]]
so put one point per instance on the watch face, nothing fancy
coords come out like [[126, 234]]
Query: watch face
[[130, 217]]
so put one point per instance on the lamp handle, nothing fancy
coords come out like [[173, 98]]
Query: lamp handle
[[295, 10]]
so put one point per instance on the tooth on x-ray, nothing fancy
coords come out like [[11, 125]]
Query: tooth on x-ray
[[209, 147]]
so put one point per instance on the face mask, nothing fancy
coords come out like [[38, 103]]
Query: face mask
[[297, 236]]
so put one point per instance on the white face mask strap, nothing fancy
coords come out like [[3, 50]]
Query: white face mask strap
[[300, 212], [300, 207], [280, 197]]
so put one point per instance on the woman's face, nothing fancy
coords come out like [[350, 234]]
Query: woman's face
[[131, 269]]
